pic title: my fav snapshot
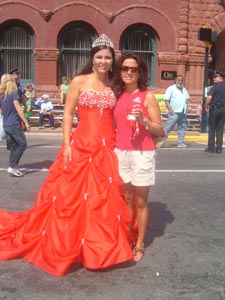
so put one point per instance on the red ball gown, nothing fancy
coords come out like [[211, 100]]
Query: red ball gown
[[79, 215]]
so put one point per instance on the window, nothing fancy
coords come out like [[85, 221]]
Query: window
[[140, 39], [75, 45], [16, 50]]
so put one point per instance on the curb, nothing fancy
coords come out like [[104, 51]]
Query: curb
[[195, 137], [190, 138]]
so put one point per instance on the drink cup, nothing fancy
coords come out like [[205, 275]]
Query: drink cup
[[130, 116], [136, 108]]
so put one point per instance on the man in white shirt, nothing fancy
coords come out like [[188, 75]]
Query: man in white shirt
[[176, 100], [46, 111]]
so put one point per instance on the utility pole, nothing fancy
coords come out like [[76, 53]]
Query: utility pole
[[205, 85], [205, 35]]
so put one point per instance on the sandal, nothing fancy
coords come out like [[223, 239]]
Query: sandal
[[138, 253]]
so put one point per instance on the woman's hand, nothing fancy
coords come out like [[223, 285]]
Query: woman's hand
[[137, 112], [67, 153]]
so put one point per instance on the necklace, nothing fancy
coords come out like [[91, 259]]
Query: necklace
[[131, 92], [101, 85]]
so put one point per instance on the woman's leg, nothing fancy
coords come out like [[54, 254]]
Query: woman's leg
[[62, 97], [141, 198], [18, 145], [127, 191], [128, 195]]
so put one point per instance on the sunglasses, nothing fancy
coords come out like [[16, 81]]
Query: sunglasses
[[127, 69]]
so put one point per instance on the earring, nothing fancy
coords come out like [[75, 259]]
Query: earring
[[93, 67]]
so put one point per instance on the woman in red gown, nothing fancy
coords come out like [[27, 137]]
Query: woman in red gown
[[79, 215]]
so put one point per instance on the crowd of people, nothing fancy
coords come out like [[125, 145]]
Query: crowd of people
[[93, 205]]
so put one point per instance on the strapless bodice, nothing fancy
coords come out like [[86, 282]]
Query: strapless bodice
[[97, 99]]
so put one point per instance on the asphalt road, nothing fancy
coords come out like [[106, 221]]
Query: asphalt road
[[185, 242]]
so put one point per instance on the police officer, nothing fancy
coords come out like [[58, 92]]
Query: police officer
[[215, 104], [16, 75]]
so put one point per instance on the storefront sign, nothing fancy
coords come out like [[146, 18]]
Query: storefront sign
[[168, 75], [160, 99]]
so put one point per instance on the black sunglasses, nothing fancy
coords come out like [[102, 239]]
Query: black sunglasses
[[127, 68]]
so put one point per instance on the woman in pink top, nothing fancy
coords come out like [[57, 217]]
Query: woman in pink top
[[138, 121]]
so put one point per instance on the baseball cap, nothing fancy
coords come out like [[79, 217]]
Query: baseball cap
[[14, 70], [218, 74]]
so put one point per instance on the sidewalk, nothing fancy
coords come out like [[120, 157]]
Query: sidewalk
[[191, 136]]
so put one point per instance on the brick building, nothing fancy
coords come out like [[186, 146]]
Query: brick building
[[49, 39]]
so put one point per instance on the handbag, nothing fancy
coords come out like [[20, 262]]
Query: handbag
[[2, 131]]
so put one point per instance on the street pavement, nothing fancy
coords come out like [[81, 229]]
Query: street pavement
[[184, 257]]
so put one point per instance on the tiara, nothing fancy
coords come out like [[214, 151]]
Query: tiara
[[103, 40]]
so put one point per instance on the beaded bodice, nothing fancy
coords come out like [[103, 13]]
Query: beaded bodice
[[97, 99]]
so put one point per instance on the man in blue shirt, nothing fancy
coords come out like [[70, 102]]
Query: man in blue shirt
[[176, 100]]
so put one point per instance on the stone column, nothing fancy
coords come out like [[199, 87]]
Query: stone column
[[46, 60]]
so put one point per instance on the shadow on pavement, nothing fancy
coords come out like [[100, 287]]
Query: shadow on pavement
[[38, 165], [159, 217]]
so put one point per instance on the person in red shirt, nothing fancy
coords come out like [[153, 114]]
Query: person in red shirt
[[138, 122]]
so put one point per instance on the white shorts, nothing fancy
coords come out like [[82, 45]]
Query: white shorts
[[137, 167]]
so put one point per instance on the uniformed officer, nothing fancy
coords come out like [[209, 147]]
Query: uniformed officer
[[215, 104], [16, 75]]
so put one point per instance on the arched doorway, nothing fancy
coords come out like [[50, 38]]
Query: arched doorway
[[17, 50], [75, 42], [141, 39]]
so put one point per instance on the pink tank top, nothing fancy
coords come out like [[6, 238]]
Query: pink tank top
[[128, 137]]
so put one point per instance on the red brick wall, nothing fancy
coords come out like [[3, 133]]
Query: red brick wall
[[175, 23]]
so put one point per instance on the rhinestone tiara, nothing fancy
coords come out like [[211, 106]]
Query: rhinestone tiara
[[103, 40]]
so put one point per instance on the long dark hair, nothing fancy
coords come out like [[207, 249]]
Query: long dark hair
[[118, 84], [87, 69]]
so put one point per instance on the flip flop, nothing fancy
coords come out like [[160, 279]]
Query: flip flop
[[138, 253]]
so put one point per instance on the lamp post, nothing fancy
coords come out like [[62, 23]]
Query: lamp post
[[205, 35], [205, 84]]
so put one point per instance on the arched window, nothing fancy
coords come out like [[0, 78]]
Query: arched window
[[16, 50], [75, 44], [141, 40]]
